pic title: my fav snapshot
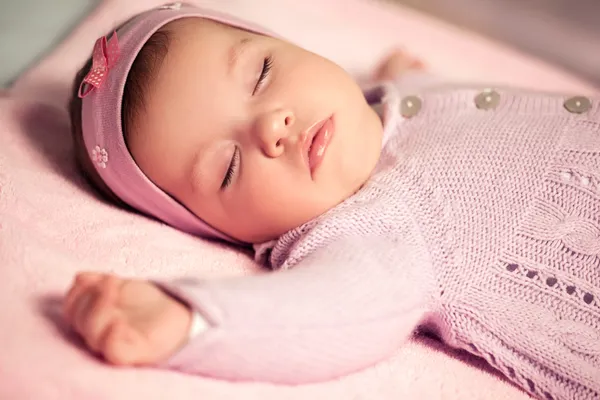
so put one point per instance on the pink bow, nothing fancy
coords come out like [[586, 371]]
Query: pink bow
[[105, 56]]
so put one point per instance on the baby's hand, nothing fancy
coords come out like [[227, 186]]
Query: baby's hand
[[129, 322], [397, 63]]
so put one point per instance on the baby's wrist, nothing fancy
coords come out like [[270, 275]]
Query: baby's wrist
[[198, 325], [190, 323], [187, 322], [179, 322]]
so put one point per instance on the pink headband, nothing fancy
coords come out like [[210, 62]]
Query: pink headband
[[102, 94]]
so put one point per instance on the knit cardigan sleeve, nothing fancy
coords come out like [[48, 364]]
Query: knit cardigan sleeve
[[343, 308]]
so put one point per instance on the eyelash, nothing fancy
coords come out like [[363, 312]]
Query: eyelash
[[267, 64], [235, 160]]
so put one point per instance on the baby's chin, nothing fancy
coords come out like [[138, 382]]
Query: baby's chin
[[358, 166]]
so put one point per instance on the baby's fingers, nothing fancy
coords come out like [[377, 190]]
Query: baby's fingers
[[397, 63], [80, 285], [98, 311], [124, 345]]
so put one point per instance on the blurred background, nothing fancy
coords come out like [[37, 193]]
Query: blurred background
[[563, 32]]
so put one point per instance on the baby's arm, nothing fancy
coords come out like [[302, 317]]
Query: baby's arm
[[342, 309]]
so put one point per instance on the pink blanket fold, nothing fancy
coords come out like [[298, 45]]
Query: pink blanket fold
[[52, 225]]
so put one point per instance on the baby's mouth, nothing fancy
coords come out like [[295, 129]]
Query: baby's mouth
[[317, 139], [312, 141]]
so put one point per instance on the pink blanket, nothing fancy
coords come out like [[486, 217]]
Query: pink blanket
[[52, 225]]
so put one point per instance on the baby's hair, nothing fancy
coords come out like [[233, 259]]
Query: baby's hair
[[144, 69]]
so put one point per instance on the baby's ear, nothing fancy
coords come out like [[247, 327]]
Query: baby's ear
[[397, 62]]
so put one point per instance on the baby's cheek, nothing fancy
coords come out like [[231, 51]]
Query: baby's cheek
[[278, 200], [266, 194]]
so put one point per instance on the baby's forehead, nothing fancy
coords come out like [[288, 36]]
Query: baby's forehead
[[203, 43], [192, 25]]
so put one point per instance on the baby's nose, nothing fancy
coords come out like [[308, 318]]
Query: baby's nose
[[273, 130]]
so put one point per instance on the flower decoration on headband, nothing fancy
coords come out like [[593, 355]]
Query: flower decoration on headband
[[100, 156], [105, 56]]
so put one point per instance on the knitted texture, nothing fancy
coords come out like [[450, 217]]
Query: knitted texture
[[481, 223], [507, 201]]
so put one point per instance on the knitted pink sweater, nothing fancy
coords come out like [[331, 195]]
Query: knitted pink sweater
[[480, 222]]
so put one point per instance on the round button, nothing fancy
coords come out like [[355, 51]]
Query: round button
[[410, 106], [487, 100], [578, 104]]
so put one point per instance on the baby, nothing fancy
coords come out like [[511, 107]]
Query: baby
[[470, 212]]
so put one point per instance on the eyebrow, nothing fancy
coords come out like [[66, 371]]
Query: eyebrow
[[236, 51]]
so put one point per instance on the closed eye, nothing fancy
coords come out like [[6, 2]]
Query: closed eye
[[267, 64], [233, 166]]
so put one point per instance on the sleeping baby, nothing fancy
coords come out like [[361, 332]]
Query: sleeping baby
[[469, 212]]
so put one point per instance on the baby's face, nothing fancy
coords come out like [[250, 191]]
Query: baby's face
[[228, 123]]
